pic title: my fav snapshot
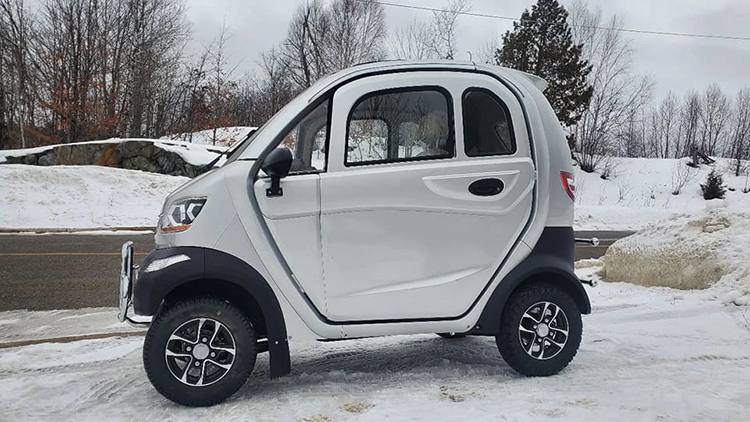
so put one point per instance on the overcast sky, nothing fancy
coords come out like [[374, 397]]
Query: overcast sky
[[676, 63]]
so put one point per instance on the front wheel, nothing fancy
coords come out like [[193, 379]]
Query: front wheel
[[199, 351], [541, 330]]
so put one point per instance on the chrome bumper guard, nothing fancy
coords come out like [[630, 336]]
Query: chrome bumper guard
[[128, 272]]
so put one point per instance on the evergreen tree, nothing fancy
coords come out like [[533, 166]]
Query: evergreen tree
[[714, 187], [542, 44]]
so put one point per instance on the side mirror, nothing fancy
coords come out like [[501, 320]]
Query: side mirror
[[277, 165]]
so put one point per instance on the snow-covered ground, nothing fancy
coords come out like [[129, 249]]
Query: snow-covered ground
[[640, 192], [81, 196], [225, 136], [647, 354]]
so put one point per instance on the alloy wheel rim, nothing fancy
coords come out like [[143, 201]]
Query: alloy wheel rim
[[200, 352], [543, 330]]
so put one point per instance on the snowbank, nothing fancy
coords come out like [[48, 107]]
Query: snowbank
[[225, 136], [687, 252], [81, 196], [639, 192]]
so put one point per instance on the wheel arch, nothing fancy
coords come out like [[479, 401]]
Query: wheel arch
[[214, 273], [535, 270]]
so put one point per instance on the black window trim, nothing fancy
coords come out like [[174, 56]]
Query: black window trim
[[507, 114], [413, 88], [327, 99]]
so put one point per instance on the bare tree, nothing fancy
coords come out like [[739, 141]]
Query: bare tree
[[617, 91], [662, 122], [681, 175], [485, 52], [715, 111], [324, 39], [15, 26], [157, 36], [739, 138], [689, 126], [412, 41], [272, 89], [222, 86], [356, 33], [433, 39], [631, 135]]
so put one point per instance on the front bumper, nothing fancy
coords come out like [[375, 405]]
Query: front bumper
[[128, 273]]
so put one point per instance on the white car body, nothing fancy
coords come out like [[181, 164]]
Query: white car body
[[378, 247]]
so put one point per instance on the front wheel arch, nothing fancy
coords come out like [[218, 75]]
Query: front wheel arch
[[224, 290], [215, 273]]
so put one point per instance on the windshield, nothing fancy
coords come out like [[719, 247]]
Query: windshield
[[239, 148], [236, 150]]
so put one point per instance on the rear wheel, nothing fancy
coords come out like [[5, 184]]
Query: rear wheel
[[199, 351], [541, 330]]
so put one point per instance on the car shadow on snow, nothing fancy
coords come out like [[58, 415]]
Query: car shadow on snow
[[377, 360]]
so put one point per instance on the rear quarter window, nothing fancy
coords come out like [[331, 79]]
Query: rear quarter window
[[488, 129]]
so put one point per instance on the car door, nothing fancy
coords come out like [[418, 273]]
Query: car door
[[293, 218], [414, 219]]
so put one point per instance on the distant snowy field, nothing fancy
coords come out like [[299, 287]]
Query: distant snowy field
[[638, 194], [647, 354]]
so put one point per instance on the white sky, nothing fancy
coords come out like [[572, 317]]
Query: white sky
[[677, 64]]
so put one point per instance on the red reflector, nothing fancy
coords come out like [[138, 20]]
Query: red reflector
[[568, 183]]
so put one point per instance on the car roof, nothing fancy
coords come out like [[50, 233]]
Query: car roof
[[390, 65], [405, 65]]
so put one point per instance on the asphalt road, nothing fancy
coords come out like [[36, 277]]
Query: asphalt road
[[69, 271]]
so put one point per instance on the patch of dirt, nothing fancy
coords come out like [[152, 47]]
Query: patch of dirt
[[455, 395], [356, 406], [318, 418]]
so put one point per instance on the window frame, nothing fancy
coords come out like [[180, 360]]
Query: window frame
[[326, 143], [508, 117], [415, 88]]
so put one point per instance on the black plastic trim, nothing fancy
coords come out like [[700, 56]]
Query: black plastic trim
[[150, 289], [551, 262]]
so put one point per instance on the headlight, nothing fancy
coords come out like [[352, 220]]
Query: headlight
[[162, 263], [180, 215]]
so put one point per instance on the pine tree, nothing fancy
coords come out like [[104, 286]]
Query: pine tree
[[542, 44], [714, 187]]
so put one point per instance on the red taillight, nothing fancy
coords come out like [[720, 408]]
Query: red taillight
[[568, 183]]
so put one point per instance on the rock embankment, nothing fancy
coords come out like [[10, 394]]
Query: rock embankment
[[131, 155]]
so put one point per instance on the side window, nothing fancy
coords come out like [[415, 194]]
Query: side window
[[307, 141], [487, 126], [400, 125]]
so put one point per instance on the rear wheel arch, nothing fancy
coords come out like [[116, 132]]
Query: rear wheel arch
[[521, 278]]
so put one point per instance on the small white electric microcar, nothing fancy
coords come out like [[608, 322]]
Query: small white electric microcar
[[388, 198]]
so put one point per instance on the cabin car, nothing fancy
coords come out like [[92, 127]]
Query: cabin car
[[387, 199]]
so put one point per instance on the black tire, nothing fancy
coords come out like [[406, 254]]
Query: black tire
[[511, 337], [451, 336], [226, 381]]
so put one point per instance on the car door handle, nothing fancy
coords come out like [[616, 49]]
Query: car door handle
[[486, 187]]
